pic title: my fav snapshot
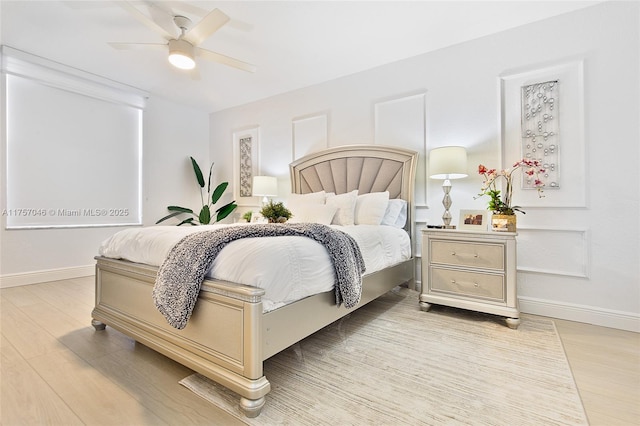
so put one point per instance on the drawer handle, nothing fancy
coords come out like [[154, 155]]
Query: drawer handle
[[462, 283], [475, 255]]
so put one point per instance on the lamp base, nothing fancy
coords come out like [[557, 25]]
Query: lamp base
[[446, 202]]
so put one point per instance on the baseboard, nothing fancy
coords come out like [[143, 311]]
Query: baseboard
[[581, 313], [26, 278]]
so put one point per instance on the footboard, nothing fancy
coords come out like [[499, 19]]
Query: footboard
[[222, 341], [227, 337]]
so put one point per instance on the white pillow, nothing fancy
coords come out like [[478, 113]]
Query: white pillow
[[396, 214], [311, 198], [370, 208], [391, 214], [314, 213], [346, 205], [402, 217], [297, 202]]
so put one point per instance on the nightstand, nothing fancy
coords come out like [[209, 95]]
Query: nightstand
[[470, 270]]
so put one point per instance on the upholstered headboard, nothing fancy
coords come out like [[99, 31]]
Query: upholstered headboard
[[367, 168]]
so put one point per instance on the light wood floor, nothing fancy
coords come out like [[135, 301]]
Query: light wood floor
[[56, 370]]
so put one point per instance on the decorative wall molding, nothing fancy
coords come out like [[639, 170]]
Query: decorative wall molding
[[309, 134], [554, 251], [402, 122], [581, 313], [417, 238], [417, 251], [36, 277], [570, 153]]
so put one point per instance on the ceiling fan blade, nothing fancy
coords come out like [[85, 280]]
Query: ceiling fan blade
[[137, 46], [226, 60], [207, 26], [142, 18]]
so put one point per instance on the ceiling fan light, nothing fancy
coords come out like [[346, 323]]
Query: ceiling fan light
[[181, 61], [181, 54]]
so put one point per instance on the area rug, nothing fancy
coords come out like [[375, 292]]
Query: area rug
[[390, 363]]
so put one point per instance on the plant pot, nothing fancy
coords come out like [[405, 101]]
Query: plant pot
[[503, 222], [281, 219]]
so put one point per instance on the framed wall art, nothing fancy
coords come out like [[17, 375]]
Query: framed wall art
[[246, 165]]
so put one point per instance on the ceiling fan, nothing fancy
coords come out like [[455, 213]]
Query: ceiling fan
[[183, 49]]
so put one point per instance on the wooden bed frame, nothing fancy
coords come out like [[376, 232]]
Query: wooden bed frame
[[228, 336]]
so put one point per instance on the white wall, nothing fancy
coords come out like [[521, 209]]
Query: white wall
[[461, 87], [171, 134]]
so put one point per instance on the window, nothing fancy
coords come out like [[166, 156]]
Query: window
[[73, 147]]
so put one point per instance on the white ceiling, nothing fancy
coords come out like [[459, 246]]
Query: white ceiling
[[293, 43]]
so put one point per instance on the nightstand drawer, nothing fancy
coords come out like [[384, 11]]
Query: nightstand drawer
[[488, 286], [475, 255]]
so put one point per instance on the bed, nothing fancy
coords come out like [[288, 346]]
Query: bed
[[229, 334]]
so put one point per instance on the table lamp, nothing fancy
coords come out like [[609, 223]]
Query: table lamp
[[265, 186], [449, 162]]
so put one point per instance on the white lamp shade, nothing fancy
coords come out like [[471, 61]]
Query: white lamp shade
[[449, 162], [265, 186]]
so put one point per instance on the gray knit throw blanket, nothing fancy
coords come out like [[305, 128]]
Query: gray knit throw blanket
[[181, 274]]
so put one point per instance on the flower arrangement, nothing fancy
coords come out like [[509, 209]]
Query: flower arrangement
[[501, 203]]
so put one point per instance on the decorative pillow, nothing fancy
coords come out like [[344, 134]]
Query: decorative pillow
[[346, 207], [314, 213], [396, 214], [402, 217], [297, 202], [391, 214], [311, 198], [370, 208]]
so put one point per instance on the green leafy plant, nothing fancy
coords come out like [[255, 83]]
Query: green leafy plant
[[204, 217], [247, 216], [275, 212]]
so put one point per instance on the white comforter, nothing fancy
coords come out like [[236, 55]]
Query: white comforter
[[288, 268]]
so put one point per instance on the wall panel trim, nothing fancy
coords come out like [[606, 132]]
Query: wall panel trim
[[537, 256]]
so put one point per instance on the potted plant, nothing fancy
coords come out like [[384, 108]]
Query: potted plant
[[275, 212], [500, 204], [204, 217]]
